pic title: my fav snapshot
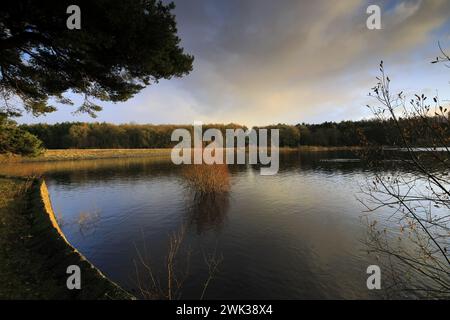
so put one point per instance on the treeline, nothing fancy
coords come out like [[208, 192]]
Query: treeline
[[104, 135], [332, 134]]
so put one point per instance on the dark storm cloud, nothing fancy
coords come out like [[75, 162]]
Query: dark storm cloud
[[265, 61], [256, 59]]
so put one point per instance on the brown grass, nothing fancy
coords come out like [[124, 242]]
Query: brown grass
[[87, 154], [207, 179]]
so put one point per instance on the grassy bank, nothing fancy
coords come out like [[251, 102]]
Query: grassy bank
[[33, 255], [87, 154]]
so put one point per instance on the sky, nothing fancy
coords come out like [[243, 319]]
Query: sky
[[260, 62]]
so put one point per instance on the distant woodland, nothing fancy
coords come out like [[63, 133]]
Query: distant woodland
[[104, 135]]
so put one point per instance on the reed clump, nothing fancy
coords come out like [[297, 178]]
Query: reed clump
[[207, 179]]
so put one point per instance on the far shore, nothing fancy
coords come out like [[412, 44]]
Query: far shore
[[91, 154]]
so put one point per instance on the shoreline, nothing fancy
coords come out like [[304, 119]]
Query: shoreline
[[94, 154], [43, 247]]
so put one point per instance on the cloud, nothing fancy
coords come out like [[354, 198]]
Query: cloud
[[260, 61], [263, 61]]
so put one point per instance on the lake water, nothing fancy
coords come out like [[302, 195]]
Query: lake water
[[294, 235]]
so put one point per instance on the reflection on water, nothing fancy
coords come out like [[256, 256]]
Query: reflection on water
[[88, 221], [294, 235], [208, 189], [79, 167], [208, 211]]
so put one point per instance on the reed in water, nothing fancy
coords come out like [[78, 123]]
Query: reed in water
[[206, 179]]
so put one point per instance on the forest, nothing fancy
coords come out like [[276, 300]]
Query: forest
[[80, 135]]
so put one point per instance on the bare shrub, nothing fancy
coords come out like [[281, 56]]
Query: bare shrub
[[177, 267], [417, 253]]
